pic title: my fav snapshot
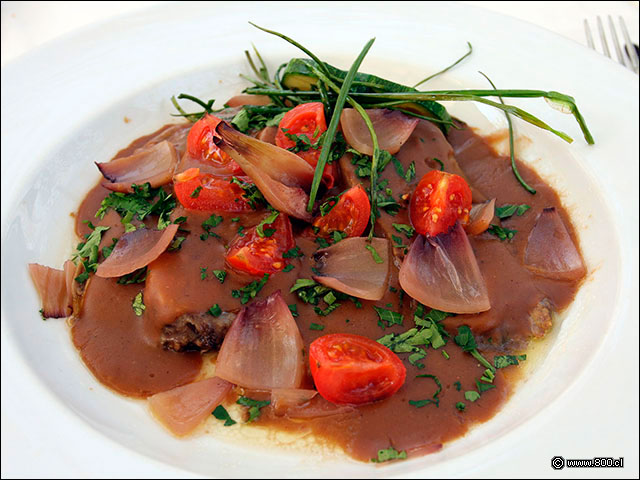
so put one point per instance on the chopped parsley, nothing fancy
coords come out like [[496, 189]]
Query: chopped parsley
[[374, 254], [328, 205], [311, 292], [220, 275], [176, 244], [502, 233], [389, 454], [203, 273], [261, 231], [293, 308], [139, 204], [87, 253], [502, 361], [471, 395], [458, 385], [293, 253], [215, 310], [505, 211], [106, 251], [196, 192], [254, 406], [249, 291], [316, 326], [138, 306], [257, 117], [409, 174], [212, 222], [288, 268], [461, 406], [465, 340], [252, 195], [388, 317], [434, 399], [137, 276], [407, 230], [221, 414]]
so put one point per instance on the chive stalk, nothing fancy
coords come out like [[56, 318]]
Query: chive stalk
[[514, 167], [446, 69]]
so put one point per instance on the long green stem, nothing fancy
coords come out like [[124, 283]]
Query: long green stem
[[473, 96], [296, 44], [333, 124], [446, 69], [514, 167], [374, 141]]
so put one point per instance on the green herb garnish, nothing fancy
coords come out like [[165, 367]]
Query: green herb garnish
[[388, 317], [215, 310], [316, 326], [254, 406], [221, 414], [434, 399], [500, 232], [505, 211], [389, 454], [465, 339], [471, 395], [138, 306], [249, 291], [137, 276], [502, 361], [374, 254]]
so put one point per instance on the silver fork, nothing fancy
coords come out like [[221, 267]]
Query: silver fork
[[630, 60]]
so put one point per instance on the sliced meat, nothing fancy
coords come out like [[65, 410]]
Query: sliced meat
[[196, 332]]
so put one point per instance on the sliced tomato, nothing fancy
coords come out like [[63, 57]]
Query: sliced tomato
[[200, 145], [350, 215], [257, 255], [438, 202], [351, 369], [306, 119], [203, 191]]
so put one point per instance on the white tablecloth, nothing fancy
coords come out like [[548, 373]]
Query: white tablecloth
[[26, 25]]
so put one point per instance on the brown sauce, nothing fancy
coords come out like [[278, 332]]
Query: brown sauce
[[123, 351]]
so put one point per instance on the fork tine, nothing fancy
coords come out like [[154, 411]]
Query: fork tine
[[603, 38], [631, 51], [587, 32], [616, 44]]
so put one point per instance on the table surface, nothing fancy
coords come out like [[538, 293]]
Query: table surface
[[27, 25]]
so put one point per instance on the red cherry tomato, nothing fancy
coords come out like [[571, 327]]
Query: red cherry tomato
[[307, 119], [351, 369], [350, 215], [203, 191], [258, 255], [200, 145], [438, 202]]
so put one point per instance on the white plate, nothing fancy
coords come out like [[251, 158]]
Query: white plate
[[63, 108]]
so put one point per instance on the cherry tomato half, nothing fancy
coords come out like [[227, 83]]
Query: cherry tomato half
[[307, 119], [438, 202], [200, 145], [257, 255], [351, 369], [203, 191], [350, 215]]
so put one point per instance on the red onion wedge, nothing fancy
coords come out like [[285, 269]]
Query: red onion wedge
[[442, 272], [285, 399], [182, 409], [154, 164], [550, 252], [55, 288], [393, 128], [263, 348], [135, 250], [349, 267], [480, 217], [280, 175]]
